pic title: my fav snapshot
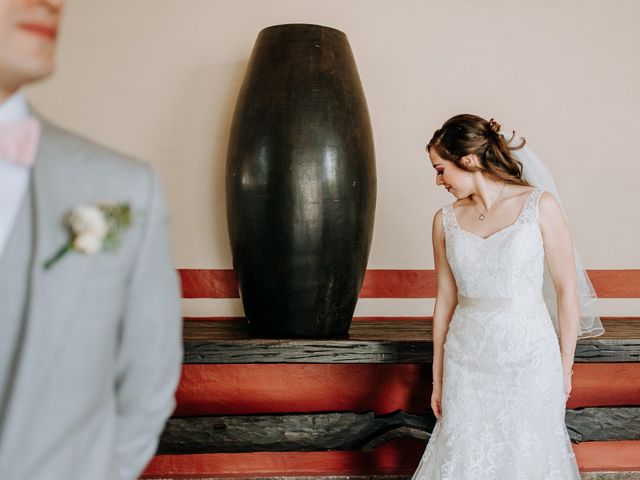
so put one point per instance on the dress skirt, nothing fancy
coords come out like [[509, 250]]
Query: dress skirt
[[503, 401]]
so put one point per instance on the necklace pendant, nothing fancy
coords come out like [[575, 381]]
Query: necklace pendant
[[481, 217]]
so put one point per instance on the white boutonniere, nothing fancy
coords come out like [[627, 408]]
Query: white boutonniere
[[94, 228]]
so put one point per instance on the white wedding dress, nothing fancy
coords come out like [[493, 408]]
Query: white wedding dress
[[503, 402]]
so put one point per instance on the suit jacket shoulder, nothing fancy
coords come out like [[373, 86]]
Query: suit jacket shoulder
[[95, 170]]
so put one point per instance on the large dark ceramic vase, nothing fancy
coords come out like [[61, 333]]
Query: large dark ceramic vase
[[301, 183]]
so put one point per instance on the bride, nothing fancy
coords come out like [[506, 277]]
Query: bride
[[503, 359]]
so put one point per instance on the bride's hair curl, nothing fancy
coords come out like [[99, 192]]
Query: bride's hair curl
[[467, 134]]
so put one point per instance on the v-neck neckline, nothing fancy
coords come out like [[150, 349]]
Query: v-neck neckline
[[513, 224]]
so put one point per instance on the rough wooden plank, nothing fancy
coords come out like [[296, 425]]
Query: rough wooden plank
[[602, 424], [354, 431], [588, 351], [307, 352], [610, 476], [371, 341], [298, 432]]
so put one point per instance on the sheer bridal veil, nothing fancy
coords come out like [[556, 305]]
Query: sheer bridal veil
[[536, 173]]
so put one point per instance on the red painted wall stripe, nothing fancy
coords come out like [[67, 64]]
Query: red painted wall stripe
[[236, 389], [618, 456], [616, 283], [399, 284], [209, 283], [605, 385], [396, 283], [396, 457]]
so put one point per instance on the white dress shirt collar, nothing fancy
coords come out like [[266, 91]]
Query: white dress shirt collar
[[14, 108]]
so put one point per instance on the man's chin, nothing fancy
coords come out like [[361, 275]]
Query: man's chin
[[13, 77], [38, 75]]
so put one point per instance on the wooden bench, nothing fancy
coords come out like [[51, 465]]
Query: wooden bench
[[360, 405]]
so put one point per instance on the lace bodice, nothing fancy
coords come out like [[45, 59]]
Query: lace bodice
[[508, 263]]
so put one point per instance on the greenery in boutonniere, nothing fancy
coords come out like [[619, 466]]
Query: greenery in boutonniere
[[94, 228]]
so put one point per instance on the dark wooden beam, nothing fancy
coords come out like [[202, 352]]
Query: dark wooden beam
[[601, 424], [299, 432], [354, 431], [371, 341]]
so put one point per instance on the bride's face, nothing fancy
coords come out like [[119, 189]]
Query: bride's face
[[456, 181]]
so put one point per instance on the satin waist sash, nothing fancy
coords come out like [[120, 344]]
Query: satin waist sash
[[486, 303]]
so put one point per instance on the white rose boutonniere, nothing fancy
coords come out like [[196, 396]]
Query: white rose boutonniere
[[94, 228]]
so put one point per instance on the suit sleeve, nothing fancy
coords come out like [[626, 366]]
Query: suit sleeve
[[150, 351]]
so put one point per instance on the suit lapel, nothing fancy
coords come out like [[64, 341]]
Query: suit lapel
[[53, 293]]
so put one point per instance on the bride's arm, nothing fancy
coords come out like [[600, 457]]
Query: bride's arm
[[558, 247], [446, 297]]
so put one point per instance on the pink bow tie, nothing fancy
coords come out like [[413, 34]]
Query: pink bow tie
[[19, 141]]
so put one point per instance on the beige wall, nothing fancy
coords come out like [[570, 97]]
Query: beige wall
[[159, 78]]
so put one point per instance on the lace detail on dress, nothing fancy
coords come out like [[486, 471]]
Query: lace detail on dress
[[530, 210], [528, 214], [448, 218], [507, 263], [503, 403]]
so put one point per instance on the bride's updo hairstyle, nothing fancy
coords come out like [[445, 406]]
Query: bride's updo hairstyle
[[469, 134]]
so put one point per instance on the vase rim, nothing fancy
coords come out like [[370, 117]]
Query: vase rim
[[308, 25]]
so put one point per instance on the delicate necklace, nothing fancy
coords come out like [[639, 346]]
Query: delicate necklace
[[482, 216]]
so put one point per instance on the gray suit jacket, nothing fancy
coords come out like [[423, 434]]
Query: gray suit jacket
[[101, 355]]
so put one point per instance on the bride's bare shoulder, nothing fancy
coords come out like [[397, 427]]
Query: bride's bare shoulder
[[550, 212], [549, 202], [437, 227], [517, 190]]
